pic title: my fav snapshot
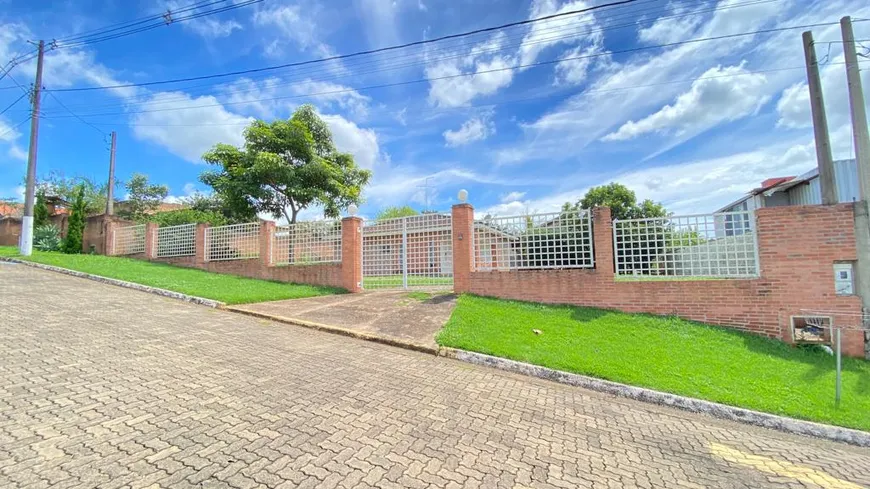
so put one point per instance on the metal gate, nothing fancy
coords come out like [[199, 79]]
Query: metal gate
[[405, 252]]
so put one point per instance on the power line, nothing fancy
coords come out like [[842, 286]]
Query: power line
[[351, 55], [509, 101], [13, 128], [494, 70], [158, 24], [13, 103], [461, 53], [131, 23], [76, 116]]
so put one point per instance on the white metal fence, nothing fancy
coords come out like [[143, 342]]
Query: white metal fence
[[534, 241], [176, 240], [704, 245], [306, 243], [232, 242], [129, 240], [414, 251]]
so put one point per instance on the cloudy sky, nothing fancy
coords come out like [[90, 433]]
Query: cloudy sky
[[524, 118]]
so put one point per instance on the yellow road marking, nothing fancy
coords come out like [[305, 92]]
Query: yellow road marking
[[780, 468]]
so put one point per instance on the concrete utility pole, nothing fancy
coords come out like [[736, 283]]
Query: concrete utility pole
[[820, 124], [862, 158], [110, 193], [25, 245], [856, 104]]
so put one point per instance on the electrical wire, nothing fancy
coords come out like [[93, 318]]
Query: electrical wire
[[156, 25], [13, 103], [131, 23], [305, 76], [76, 116], [351, 55], [13, 128], [482, 72], [505, 102]]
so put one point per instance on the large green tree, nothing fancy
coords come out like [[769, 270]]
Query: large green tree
[[622, 202], [284, 167], [143, 197], [394, 212]]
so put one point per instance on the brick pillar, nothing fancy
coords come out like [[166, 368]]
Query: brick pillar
[[150, 240], [463, 246], [108, 246], [602, 237], [351, 254], [267, 229], [199, 245]]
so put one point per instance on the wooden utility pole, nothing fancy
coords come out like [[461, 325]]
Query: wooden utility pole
[[110, 193], [25, 244], [820, 124]]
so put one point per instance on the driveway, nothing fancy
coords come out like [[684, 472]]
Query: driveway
[[107, 387], [407, 317]]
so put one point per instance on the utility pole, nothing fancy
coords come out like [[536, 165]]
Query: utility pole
[[856, 104], [820, 124], [25, 245], [862, 160], [110, 193]]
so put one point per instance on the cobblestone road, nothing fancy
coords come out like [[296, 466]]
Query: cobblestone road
[[107, 387]]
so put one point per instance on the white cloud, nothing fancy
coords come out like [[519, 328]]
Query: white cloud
[[669, 29], [575, 64], [207, 26], [333, 95], [449, 88], [719, 95], [512, 197], [296, 25], [17, 153], [350, 138], [474, 129], [191, 132], [570, 28]]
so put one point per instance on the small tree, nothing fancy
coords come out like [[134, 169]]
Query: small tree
[[622, 202], [40, 210], [76, 227], [144, 197], [394, 212]]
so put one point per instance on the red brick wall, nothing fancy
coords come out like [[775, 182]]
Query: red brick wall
[[798, 246]]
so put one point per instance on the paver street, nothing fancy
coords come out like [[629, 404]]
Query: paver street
[[107, 387]]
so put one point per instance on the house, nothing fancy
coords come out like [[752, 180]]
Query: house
[[422, 241], [10, 209], [123, 205], [800, 190]]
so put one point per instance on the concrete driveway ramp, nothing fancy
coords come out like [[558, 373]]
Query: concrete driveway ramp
[[397, 316]]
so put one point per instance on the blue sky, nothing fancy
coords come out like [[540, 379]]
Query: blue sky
[[693, 126]]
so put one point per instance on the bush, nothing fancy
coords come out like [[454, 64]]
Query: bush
[[46, 238], [187, 216], [40, 210], [73, 242]]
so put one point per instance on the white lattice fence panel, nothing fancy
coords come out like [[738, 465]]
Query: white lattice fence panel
[[704, 245], [535, 241], [129, 240], [232, 242], [176, 240], [414, 251], [306, 243]]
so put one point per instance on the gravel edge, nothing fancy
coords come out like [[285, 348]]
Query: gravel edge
[[747, 416], [120, 283]]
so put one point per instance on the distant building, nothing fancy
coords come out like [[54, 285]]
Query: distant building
[[800, 190], [121, 206]]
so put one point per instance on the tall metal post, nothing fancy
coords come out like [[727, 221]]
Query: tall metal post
[[839, 387], [405, 252], [110, 193], [820, 124], [25, 244]]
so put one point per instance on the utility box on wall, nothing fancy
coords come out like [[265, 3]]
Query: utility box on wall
[[844, 283]]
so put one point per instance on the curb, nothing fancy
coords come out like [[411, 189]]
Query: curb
[[407, 345], [722, 411], [120, 283]]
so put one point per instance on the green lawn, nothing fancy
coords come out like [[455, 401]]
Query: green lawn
[[667, 354], [225, 288], [413, 281]]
